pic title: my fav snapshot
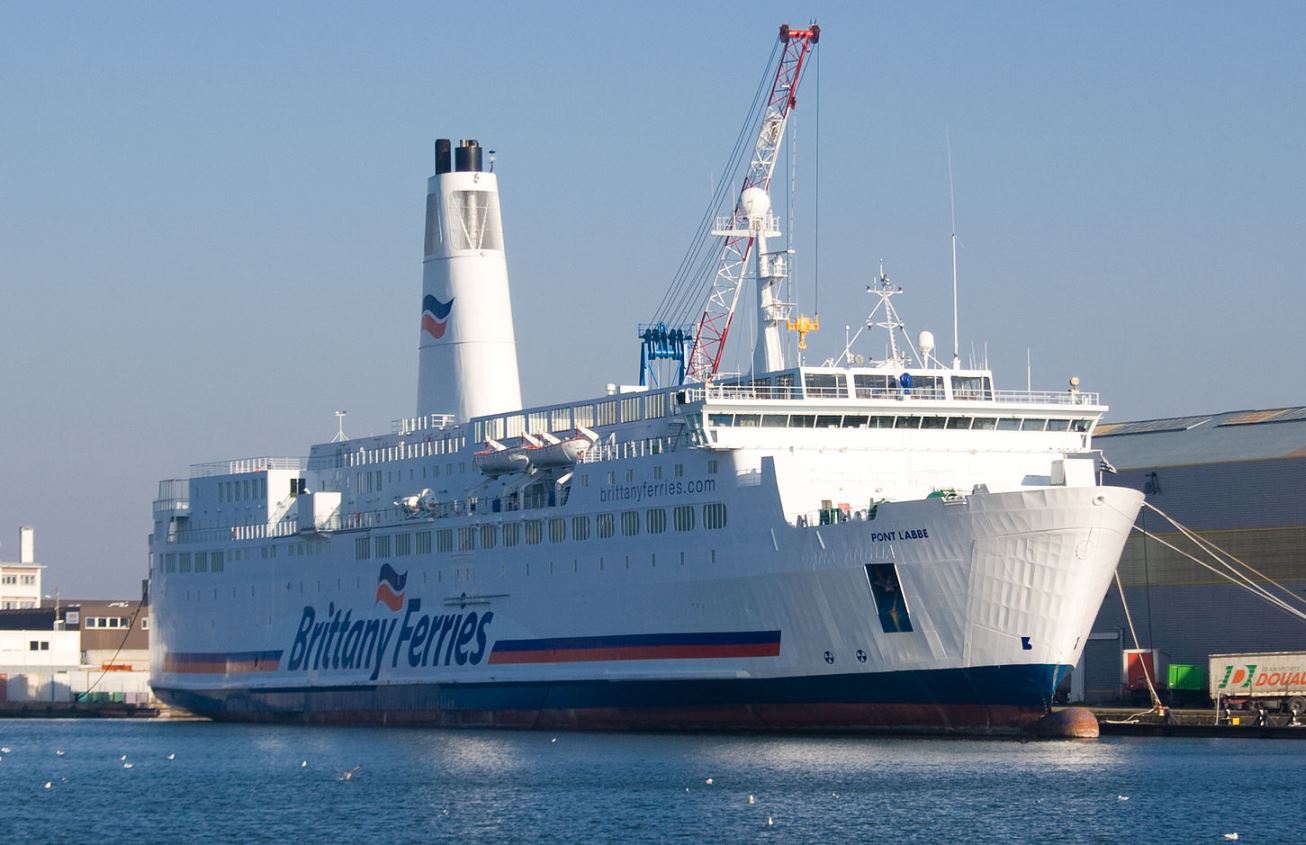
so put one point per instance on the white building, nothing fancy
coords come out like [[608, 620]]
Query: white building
[[20, 580]]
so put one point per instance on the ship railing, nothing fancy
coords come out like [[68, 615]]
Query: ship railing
[[247, 465], [356, 520], [787, 393], [1045, 397], [254, 531], [635, 448], [428, 422], [830, 516], [173, 505], [844, 512]]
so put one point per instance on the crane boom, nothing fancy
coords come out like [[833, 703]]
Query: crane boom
[[714, 324]]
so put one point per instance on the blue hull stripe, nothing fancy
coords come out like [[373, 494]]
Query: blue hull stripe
[[984, 698]]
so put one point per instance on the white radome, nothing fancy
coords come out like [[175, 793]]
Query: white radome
[[755, 203]]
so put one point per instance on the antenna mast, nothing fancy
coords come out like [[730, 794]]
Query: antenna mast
[[952, 216]]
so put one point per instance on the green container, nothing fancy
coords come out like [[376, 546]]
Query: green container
[[1186, 676]]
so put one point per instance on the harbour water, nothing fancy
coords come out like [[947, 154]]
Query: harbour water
[[191, 781]]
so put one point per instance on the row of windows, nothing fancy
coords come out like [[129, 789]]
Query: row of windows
[[422, 449], [216, 561], [243, 490], [877, 385], [14, 580], [466, 574], [107, 622], [202, 561], [904, 421], [603, 526], [533, 531]]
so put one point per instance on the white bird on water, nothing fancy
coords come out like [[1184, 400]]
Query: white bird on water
[[1122, 797], [708, 781], [126, 765], [751, 799], [348, 774], [49, 785], [1231, 836], [172, 756], [122, 759], [770, 822], [4, 749], [58, 752], [303, 764]]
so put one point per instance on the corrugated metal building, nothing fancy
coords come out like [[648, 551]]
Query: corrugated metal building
[[1237, 478]]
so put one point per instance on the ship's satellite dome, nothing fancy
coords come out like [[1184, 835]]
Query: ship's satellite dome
[[755, 202]]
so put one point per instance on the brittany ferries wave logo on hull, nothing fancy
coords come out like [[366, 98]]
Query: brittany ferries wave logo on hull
[[336, 640], [435, 316], [390, 587]]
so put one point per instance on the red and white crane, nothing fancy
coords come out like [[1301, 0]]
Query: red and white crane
[[751, 218]]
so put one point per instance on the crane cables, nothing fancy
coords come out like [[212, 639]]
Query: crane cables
[[681, 302]]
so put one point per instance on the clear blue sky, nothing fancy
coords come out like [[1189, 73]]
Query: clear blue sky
[[211, 214]]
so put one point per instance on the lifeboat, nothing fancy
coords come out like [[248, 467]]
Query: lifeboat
[[496, 462], [560, 454], [544, 452]]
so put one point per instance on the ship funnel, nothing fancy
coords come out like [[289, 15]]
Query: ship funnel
[[467, 158], [442, 156], [467, 350]]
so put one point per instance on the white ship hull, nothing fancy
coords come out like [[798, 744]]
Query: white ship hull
[[767, 625]]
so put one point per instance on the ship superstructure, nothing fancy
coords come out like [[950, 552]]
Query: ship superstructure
[[885, 545]]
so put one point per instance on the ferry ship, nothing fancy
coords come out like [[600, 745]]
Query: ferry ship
[[878, 545]]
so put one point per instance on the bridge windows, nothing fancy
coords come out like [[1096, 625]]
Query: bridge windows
[[972, 387], [824, 385]]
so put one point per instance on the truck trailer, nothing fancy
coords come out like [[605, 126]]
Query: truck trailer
[[1268, 682]]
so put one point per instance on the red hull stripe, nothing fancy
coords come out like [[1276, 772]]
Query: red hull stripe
[[222, 664], [639, 647]]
